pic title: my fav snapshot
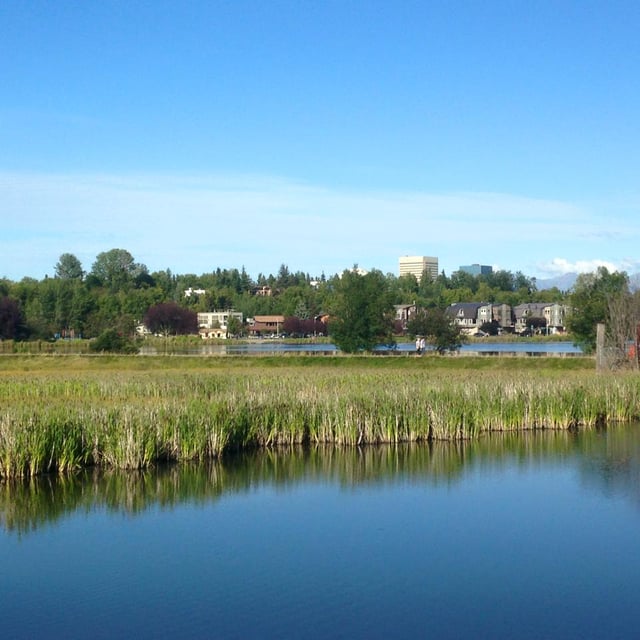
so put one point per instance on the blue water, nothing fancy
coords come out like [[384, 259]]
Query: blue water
[[277, 346], [526, 537], [408, 347]]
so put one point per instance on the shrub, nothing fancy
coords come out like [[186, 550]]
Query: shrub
[[113, 342]]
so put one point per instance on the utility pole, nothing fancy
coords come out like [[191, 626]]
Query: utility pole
[[600, 361]]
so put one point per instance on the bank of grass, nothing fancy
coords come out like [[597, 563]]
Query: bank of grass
[[65, 413], [333, 360]]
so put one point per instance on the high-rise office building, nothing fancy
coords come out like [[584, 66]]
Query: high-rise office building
[[477, 269], [417, 265]]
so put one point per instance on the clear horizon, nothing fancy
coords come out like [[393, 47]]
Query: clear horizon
[[209, 134]]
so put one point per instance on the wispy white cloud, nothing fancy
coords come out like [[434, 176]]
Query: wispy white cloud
[[197, 223], [561, 266]]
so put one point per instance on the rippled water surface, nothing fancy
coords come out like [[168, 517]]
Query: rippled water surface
[[529, 536]]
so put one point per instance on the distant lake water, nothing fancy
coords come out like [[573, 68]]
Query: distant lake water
[[512, 536], [278, 346]]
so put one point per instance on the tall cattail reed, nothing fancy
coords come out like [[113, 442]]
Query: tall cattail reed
[[59, 422]]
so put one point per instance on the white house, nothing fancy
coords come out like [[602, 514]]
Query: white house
[[193, 292], [213, 324]]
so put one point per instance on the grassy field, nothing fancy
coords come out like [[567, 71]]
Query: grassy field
[[62, 413]]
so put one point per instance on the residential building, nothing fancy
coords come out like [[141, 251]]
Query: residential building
[[418, 265], [503, 314], [553, 314], [404, 313], [193, 292], [265, 325], [213, 324], [141, 330], [357, 270], [470, 316]]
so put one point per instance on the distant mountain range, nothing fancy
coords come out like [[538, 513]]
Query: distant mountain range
[[567, 280], [563, 282]]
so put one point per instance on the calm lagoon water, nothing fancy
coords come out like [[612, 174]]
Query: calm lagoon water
[[254, 347], [530, 536]]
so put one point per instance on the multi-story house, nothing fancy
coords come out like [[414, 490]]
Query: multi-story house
[[213, 324], [194, 292], [530, 313], [470, 316], [264, 291], [404, 313], [503, 314], [266, 325], [556, 315]]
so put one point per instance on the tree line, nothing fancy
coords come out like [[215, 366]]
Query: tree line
[[117, 292]]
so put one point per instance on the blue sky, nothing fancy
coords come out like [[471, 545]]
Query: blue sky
[[320, 135]]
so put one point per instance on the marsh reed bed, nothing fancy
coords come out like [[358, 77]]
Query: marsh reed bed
[[131, 413]]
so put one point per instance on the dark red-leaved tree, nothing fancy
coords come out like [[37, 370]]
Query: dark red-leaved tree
[[11, 319], [300, 327], [291, 326], [170, 318]]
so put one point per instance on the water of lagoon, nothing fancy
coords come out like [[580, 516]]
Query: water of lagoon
[[512, 536], [253, 347]]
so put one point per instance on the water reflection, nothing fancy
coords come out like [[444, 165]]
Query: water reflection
[[608, 461], [612, 464]]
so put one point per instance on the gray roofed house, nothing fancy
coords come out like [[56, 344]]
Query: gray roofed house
[[553, 313], [404, 313], [470, 316], [503, 314]]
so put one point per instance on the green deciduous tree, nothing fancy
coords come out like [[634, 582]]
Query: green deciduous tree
[[437, 327], [234, 327], [113, 341], [593, 296], [361, 312], [116, 269], [69, 267]]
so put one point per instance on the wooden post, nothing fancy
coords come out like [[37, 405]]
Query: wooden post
[[638, 345], [600, 360]]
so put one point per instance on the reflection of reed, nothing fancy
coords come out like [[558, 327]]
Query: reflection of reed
[[28, 504], [613, 466]]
